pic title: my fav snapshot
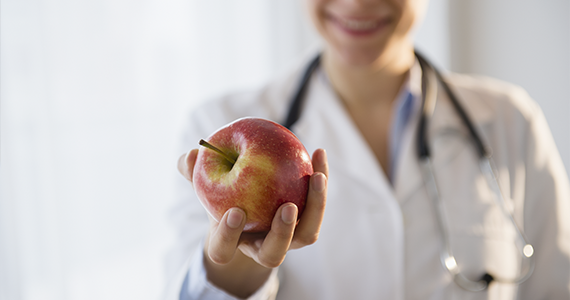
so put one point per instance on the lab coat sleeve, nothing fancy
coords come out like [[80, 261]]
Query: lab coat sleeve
[[191, 223], [546, 214]]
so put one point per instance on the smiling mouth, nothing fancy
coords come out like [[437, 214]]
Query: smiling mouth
[[359, 26]]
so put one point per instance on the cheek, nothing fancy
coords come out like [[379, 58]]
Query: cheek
[[315, 10], [412, 14]]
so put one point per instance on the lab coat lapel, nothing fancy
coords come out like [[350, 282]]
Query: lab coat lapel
[[325, 124], [443, 140], [447, 136], [447, 133]]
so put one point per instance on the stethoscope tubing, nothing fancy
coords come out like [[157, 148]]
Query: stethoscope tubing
[[431, 77]]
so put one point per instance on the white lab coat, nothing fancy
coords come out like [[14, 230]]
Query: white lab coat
[[380, 241]]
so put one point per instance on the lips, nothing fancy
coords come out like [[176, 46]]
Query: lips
[[359, 26]]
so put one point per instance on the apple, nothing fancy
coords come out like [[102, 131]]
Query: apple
[[256, 165]]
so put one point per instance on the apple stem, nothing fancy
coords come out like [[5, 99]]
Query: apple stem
[[212, 147]]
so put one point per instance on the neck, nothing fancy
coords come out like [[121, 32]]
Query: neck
[[376, 83]]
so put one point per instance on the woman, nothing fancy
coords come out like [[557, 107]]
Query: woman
[[379, 237]]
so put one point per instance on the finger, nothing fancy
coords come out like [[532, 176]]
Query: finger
[[320, 163], [186, 164], [276, 243], [307, 231], [224, 240]]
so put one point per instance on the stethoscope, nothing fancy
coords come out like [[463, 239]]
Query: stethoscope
[[431, 77]]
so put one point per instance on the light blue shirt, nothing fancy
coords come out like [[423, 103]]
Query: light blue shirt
[[402, 112]]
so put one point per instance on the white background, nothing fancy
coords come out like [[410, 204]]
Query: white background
[[93, 95]]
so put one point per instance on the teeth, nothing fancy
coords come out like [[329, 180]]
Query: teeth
[[359, 25]]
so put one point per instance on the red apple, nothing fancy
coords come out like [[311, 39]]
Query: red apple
[[256, 165]]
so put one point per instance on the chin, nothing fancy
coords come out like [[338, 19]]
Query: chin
[[361, 58], [379, 54], [357, 57]]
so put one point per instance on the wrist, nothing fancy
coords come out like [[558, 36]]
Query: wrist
[[241, 277]]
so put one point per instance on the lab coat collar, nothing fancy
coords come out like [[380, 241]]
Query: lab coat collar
[[446, 134], [445, 116]]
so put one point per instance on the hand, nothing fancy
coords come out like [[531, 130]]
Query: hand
[[258, 253]]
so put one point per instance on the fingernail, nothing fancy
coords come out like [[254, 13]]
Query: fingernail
[[318, 183], [234, 218], [289, 214]]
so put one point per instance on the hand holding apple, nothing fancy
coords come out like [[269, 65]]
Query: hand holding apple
[[256, 165], [227, 267]]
